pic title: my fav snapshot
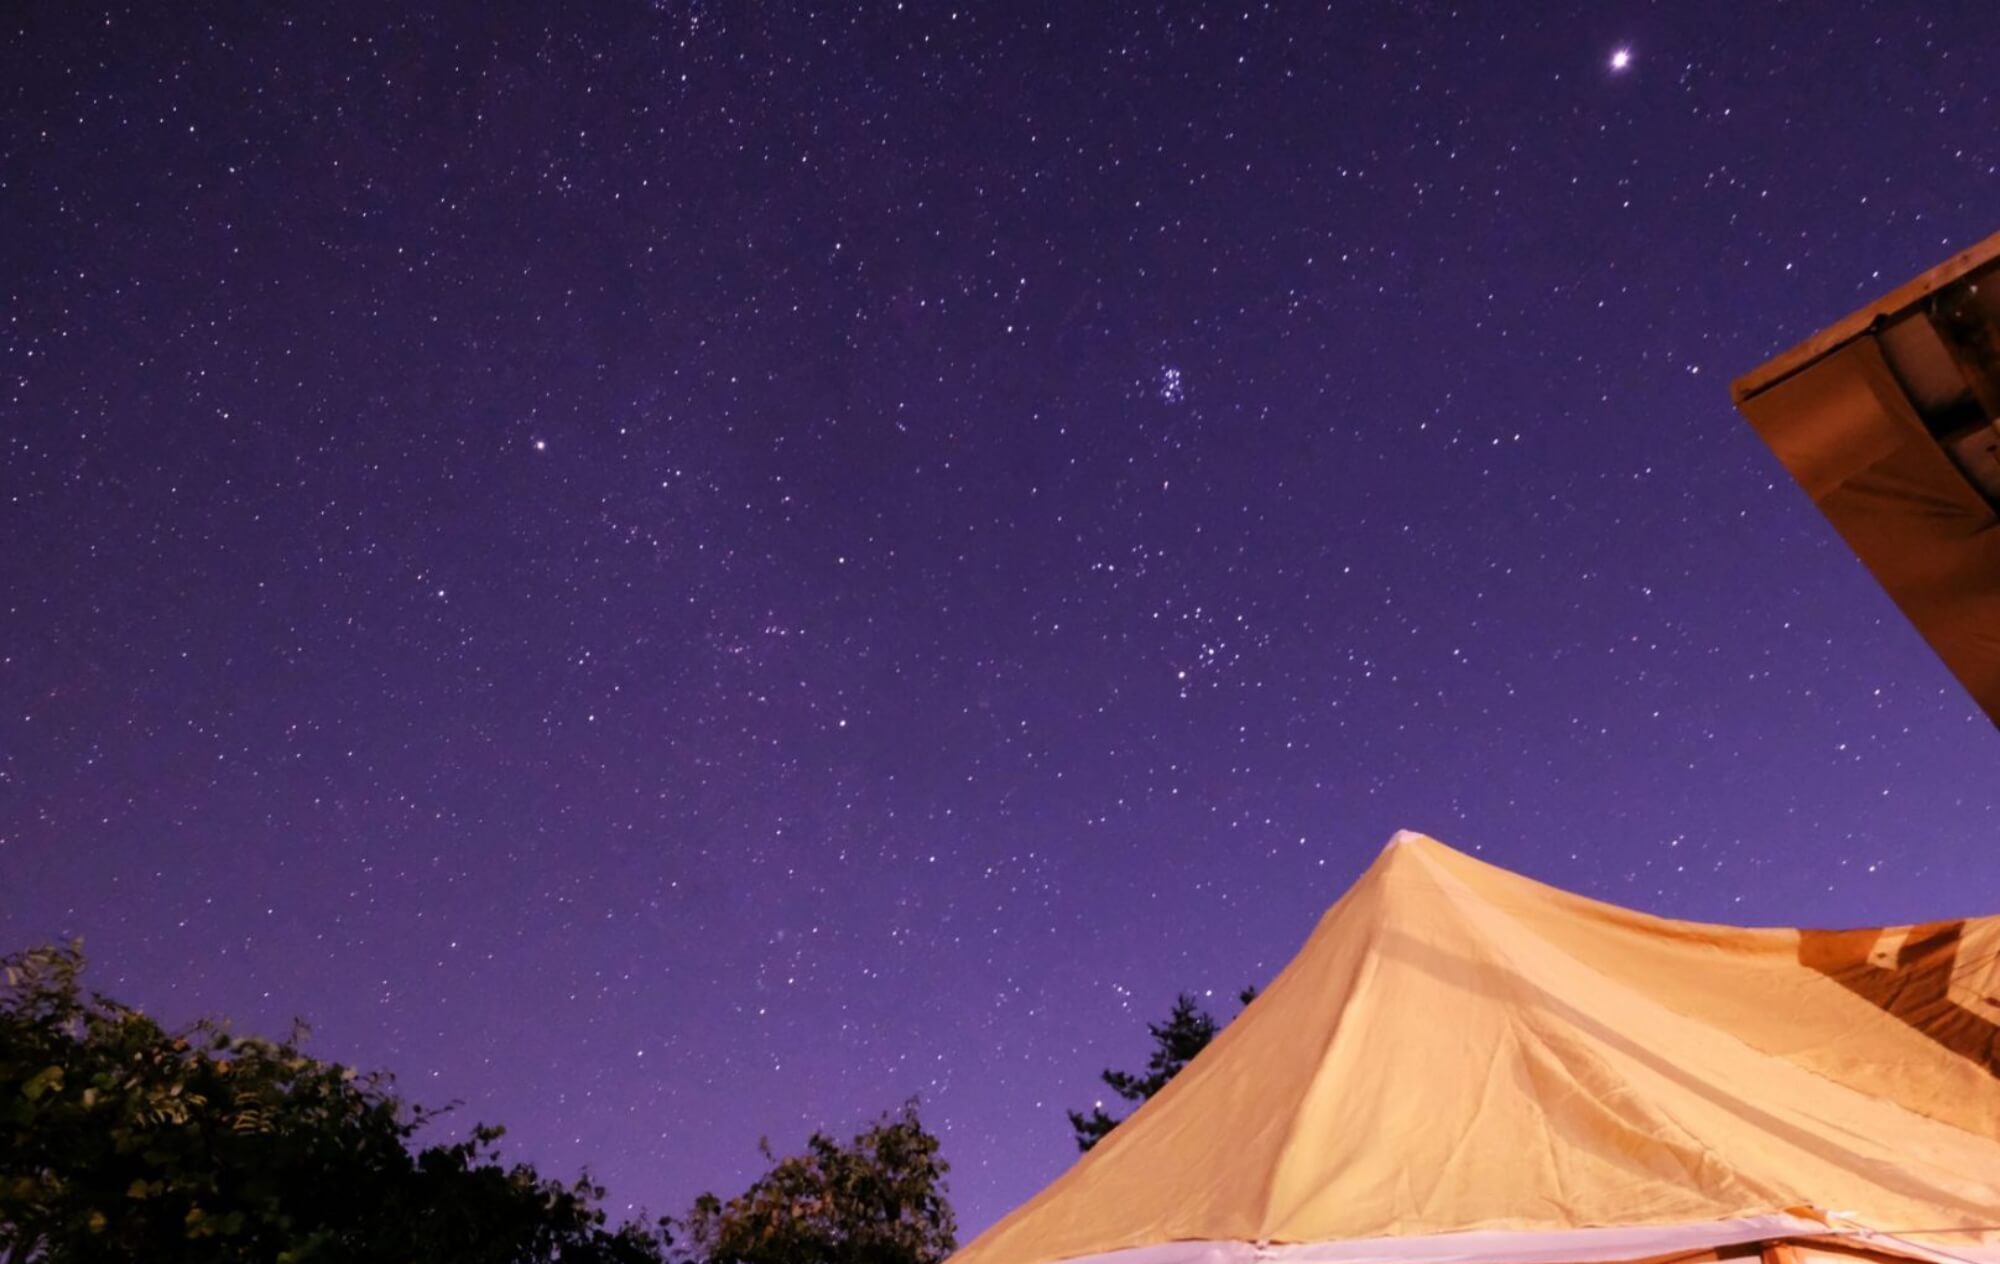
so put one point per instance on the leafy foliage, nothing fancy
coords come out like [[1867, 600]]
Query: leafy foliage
[[1186, 1033], [878, 1200], [122, 1140]]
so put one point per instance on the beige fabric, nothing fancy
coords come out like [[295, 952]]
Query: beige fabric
[[1459, 1048]]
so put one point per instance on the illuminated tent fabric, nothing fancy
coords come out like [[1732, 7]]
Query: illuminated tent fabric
[[1462, 1064]]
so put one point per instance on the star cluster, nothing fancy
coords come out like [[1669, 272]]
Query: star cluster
[[685, 571]]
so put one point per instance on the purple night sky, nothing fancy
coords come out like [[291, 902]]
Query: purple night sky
[[690, 570]]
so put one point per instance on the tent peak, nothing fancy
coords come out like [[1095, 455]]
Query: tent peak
[[1409, 838], [1410, 851], [1411, 844]]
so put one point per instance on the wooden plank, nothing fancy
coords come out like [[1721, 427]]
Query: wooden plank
[[1900, 299]]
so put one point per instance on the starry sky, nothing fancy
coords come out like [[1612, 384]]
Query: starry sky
[[684, 571]]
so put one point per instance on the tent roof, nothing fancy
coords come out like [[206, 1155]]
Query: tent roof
[[1464, 1064]]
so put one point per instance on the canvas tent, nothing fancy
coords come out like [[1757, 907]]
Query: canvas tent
[[1464, 1066], [1890, 421]]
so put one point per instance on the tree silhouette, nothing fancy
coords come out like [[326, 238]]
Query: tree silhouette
[[123, 1140], [877, 1200], [1186, 1032]]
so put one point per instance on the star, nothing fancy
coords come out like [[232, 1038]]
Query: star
[[1621, 58]]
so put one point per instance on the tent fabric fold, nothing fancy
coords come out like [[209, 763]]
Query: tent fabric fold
[[1464, 1066]]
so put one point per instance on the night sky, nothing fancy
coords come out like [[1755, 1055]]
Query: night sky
[[684, 571]]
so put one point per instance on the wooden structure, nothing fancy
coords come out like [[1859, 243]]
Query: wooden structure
[[1890, 421]]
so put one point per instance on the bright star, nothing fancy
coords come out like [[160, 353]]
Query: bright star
[[1621, 58]]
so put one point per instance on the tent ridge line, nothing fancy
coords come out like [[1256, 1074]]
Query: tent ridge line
[[1368, 967]]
